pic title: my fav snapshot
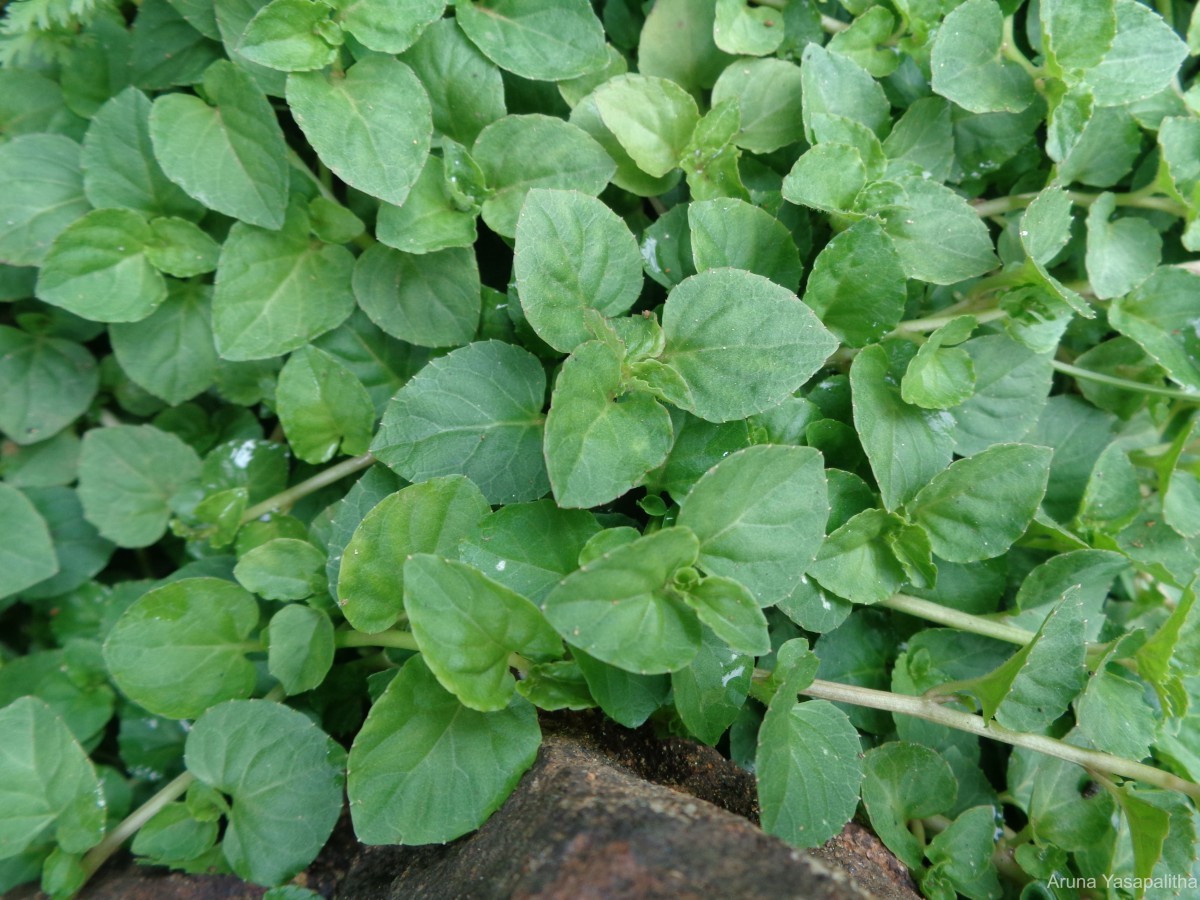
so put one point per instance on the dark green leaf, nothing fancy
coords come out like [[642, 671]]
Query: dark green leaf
[[47, 383], [300, 647]]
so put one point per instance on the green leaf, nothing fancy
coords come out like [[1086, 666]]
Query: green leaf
[[828, 177], [572, 254], [1078, 33], [119, 166], [79, 549], [282, 569], [711, 689], [291, 36], [47, 383], [323, 407], [167, 51], [710, 159], [809, 769], [622, 608], [731, 612], [556, 685], [181, 648], [178, 247], [517, 153], [300, 647], [34, 104], [1143, 59], [834, 85], [741, 343], [544, 40], [1148, 829], [429, 219], [601, 439], [477, 412], [1011, 386], [1113, 714], [760, 516], [939, 376], [752, 30], [431, 300], [277, 290], [625, 697], [389, 26], [465, 88], [922, 140], [768, 94], [376, 483], [173, 836], [732, 233], [968, 64], [45, 195], [936, 232], [529, 547], [47, 781], [425, 769], [1160, 315], [371, 125], [230, 155], [978, 506], [276, 825], [906, 446], [961, 856], [677, 43], [857, 562], [467, 625], [904, 782], [128, 475], [27, 549], [652, 119], [422, 518]]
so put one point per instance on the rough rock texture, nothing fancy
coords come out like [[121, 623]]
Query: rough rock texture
[[604, 813]]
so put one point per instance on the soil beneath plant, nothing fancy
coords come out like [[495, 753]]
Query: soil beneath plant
[[604, 813]]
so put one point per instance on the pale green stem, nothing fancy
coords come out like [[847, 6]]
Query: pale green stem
[[297, 492], [1011, 52], [1125, 384], [953, 618], [98, 855], [108, 419], [999, 205], [932, 711], [933, 323]]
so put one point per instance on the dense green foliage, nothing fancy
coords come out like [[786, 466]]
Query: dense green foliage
[[817, 380]]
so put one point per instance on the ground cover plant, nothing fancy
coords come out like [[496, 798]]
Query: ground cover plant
[[817, 380]]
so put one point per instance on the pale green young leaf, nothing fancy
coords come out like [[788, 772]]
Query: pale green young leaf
[[465, 88], [388, 26], [1160, 314], [127, 477], [572, 254], [477, 412], [836, 85], [518, 153], [961, 856], [828, 177], [711, 689], [1121, 254], [727, 608], [768, 93], [425, 769], [1143, 59], [1078, 33], [969, 67], [229, 155], [467, 625], [277, 290], [282, 569], [906, 445], [710, 159], [181, 648], [48, 783], [1095, 145], [429, 220], [47, 382], [857, 284], [556, 685], [28, 552], [734, 234], [739, 28], [904, 782], [741, 343], [600, 439], [1046, 225], [119, 166], [978, 506], [1177, 139], [941, 376], [623, 609], [174, 836], [431, 517], [676, 42], [857, 562], [97, 268], [868, 41], [371, 125], [300, 647], [431, 299], [180, 248], [809, 769], [291, 36], [760, 517], [544, 40], [276, 826], [45, 195], [628, 176], [323, 407], [922, 140]]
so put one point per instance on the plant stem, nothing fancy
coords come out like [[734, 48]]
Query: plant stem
[[931, 711], [933, 323], [1010, 51], [999, 205], [1126, 384], [953, 618], [296, 492], [98, 855]]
